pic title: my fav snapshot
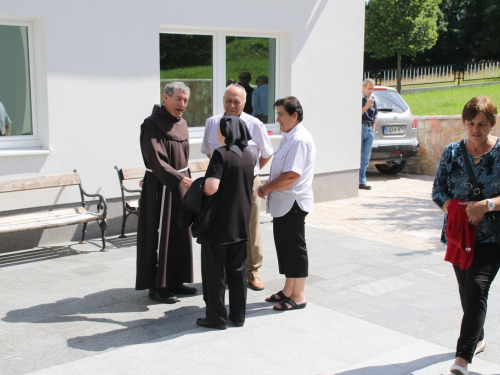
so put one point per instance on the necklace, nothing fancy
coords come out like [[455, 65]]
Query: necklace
[[480, 156]]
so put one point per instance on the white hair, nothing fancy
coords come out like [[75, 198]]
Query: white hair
[[369, 80], [172, 86], [236, 85]]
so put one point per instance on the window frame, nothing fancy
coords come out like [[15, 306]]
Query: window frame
[[219, 65], [37, 142]]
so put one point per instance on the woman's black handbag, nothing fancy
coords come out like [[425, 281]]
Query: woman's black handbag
[[492, 217]]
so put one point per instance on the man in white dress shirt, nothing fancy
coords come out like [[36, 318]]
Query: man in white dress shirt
[[262, 149]]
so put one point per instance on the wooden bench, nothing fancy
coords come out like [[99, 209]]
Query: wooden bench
[[130, 204], [54, 217]]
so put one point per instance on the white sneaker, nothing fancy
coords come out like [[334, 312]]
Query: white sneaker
[[459, 370], [480, 346]]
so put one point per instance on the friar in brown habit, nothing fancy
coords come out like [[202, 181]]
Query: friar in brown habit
[[164, 250]]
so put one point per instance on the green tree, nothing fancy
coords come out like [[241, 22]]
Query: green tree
[[400, 28], [491, 29], [473, 30], [185, 50]]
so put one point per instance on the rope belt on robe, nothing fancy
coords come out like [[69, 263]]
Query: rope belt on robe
[[161, 210]]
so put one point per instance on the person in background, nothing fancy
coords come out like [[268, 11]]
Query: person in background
[[452, 183], [5, 123], [244, 81], [259, 99], [230, 176], [289, 199], [164, 251], [262, 149], [369, 114]]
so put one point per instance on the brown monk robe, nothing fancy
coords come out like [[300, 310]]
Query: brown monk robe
[[169, 261]]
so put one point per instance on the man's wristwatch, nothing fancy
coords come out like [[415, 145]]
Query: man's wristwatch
[[491, 204]]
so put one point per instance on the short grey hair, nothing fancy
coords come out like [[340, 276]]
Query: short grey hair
[[369, 80], [235, 85], [172, 86], [264, 79]]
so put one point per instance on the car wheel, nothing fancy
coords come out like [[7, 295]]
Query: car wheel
[[391, 167]]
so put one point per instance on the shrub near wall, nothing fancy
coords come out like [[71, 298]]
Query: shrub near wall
[[434, 133]]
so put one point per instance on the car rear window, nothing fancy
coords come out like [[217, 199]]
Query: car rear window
[[389, 101]]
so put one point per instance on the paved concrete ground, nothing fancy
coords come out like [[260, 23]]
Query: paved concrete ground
[[381, 300]]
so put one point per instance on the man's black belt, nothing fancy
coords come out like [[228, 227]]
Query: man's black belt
[[369, 124]]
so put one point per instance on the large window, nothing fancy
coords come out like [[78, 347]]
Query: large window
[[251, 62], [208, 61], [18, 111]]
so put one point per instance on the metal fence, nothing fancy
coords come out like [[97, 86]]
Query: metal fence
[[438, 74]]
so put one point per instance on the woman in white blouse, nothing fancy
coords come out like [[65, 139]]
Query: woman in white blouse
[[289, 200]]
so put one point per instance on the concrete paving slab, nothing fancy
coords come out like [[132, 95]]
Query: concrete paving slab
[[381, 300], [220, 352]]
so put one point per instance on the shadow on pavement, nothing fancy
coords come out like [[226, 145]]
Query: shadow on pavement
[[107, 307], [129, 240], [408, 366], [20, 257], [40, 254]]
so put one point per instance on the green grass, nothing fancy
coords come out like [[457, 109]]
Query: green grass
[[195, 72], [243, 55], [448, 102], [256, 67]]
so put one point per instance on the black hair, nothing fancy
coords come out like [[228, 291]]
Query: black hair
[[291, 105]]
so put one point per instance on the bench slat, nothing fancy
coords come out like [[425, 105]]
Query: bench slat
[[133, 205], [133, 173], [198, 165], [39, 182], [51, 219], [34, 216], [138, 172]]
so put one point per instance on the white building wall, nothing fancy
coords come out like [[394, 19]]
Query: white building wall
[[101, 63]]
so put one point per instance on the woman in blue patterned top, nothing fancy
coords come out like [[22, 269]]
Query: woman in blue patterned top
[[452, 182]]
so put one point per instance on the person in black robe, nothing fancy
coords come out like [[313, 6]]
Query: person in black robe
[[244, 80], [164, 251], [230, 176]]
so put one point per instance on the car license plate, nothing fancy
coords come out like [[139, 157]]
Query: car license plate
[[393, 130]]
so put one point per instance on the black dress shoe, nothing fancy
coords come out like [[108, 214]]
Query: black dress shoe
[[163, 296], [181, 289], [365, 187], [203, 322], [237, 324]]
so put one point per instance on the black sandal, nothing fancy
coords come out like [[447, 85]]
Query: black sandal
[[273, 298], [293, 305]]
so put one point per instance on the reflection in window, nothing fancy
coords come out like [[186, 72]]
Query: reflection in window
[[188, 58], [251, 62], [15, 88]]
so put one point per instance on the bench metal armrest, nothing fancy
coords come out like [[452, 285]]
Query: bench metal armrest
[[102, 202], [131, 190], [102, 205]]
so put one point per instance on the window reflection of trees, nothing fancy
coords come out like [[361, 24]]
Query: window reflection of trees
[[188, 57]]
